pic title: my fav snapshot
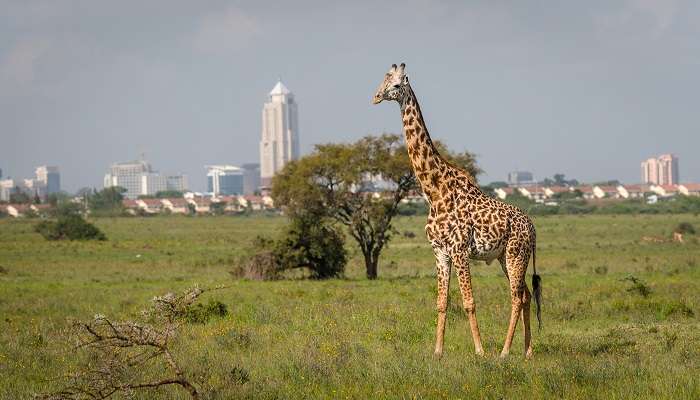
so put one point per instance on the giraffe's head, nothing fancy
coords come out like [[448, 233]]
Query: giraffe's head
[[393, 86]]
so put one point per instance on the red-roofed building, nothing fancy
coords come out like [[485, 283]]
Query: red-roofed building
[[151, 206], [606, 192], [201, 204], [665, 190], [586, 191], [689, 189], [632, 191], [15, 210], [503, 192], [177, 205]]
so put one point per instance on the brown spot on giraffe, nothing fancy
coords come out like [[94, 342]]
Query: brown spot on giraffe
[[465, 224]]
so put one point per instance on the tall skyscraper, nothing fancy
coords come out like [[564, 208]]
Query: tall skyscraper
[[280, 132], [224, 180], [662, 170], [50, 178]]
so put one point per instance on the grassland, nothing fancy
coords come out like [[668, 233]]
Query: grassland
[[353, 338]]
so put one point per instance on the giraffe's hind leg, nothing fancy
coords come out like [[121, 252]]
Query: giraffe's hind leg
[[516, 263], [525, 312], [465, 286]]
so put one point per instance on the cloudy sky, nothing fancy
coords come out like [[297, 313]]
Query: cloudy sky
[[586, 88]]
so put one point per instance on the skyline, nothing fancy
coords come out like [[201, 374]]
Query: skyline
[[588, 90]]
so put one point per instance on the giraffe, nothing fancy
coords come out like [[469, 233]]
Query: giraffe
[[465, 224]]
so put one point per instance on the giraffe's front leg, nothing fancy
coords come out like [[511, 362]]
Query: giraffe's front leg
[[443, 280], [465, 286]]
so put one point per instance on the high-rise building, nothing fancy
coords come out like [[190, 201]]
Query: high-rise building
[[7, 186], [662, 170], [251, 178], [138, 178], [129, 176], [50, 178], [152, 183], [224, 180], [33, 187], [519, 177], [280, 132], [668, 170], [176, 183]]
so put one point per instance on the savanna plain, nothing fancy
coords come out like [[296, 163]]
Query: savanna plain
[[620, 313]]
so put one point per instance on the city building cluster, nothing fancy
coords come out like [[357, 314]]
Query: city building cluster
[[47, 180], [139, 179], [232, 188]]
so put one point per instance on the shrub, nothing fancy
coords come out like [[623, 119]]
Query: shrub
[[308, 243], [239, 376], [638, 286], [685, 228], [71, 227], [601, 269], [202, 313]]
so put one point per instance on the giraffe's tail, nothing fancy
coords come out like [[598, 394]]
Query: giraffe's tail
[[536, 285]]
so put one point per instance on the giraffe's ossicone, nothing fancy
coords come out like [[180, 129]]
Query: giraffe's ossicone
[[464, 223]]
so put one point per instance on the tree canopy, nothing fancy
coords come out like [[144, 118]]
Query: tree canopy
[[359, 185]]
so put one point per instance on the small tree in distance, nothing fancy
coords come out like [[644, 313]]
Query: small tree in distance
[[359, 185]]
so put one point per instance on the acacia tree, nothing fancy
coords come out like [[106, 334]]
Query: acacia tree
[[359, 185]]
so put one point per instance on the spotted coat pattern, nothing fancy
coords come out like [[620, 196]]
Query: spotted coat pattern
[[463, 223]]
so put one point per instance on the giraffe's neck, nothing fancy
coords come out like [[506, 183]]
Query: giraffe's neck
[[427, 163]]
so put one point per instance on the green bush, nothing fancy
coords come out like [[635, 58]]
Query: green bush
[[70, 227], [685, 228], [308, 243], [202, 313]]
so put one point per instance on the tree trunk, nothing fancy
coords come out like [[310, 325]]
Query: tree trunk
[[371, 266]]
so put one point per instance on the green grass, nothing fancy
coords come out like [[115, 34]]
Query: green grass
[[353, 338]]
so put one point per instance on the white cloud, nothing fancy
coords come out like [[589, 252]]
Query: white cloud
[[225, 32]]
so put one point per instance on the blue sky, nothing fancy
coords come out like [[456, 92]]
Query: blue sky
[[588, 89]]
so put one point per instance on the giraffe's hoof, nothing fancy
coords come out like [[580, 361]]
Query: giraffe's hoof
[[528, 354], [480, 352], [437, 355], [503, 355]]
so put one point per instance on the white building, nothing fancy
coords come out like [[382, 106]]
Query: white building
[[129, 176], [6, 188], [152, 183], [176, 182], [224, 180], [138, 178], [280, 133]]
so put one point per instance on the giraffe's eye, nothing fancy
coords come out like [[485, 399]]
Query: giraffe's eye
[[396, 86]]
